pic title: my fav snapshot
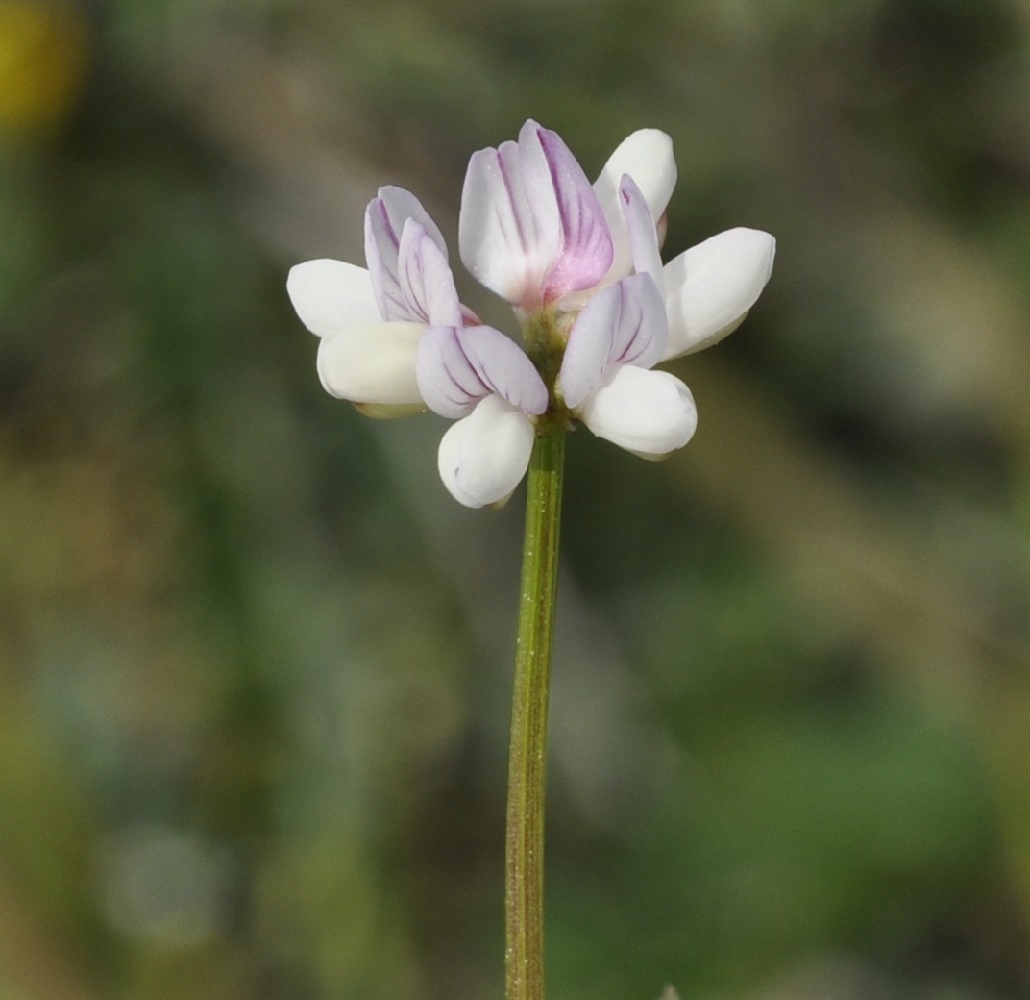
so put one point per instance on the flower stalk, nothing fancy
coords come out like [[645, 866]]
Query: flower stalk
[[527, 761], [581, 266]]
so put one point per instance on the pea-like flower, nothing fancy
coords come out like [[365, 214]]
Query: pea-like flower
[[531, 227], [485, 381], [657, 314], [605, 376], [534, 230], [371, 320]]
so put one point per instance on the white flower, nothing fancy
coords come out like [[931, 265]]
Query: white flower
[[370, 321], [485, 381], [709, 288], [535, 231], [605, 377]]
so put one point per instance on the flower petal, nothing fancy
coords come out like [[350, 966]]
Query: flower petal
[[483, 457], [647, 157], [585, 246], [622, 324], [505, 240], [373, 363], [385, 218], [425, 278], [649, 413], [458, 367], [530, 227], [645, 252], [710, 287], [329, 295]]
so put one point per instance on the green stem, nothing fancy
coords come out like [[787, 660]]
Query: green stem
[[527, 761]]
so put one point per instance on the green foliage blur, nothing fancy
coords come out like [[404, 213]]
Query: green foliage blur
[[254, 661]]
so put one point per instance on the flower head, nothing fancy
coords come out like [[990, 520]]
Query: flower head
[[581, 265]]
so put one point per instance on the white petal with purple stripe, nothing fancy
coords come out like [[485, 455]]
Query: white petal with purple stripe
[[456, 368], [531, 228], [625, 324]]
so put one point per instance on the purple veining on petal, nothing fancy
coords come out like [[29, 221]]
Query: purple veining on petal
[[641, 329], [624, 323], [539, 205], [411, 272], [464, 373], [508, 225], [508, 167], [381, 245], [490, 230], [462, 369], [643, 236], [450, 385], [459, 398], [401, 205], [589, 346], [630, 337], [584, 250], [457, 367], [425, 279], [525, 216], [385, 220], [503, 367]]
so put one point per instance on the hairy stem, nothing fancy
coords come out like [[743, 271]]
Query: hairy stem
[[527, 762]]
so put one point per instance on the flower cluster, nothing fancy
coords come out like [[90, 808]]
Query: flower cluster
[[580, 264]]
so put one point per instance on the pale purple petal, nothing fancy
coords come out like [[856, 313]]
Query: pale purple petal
[[622, 324], [448, 381], [647, 157], [710, 287], [425, 278], [643, 236], [589, 347], [643, 328], [330, 295], [373, 363], [649, 413], [458, 367], [385, 217], [585, 244], [483, 457], [530, 227], [506, 240]]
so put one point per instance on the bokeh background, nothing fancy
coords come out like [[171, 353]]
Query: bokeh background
[[254, 661]]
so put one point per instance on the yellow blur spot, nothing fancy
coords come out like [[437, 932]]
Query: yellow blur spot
[[42, 62]]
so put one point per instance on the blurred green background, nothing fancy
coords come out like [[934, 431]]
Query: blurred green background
[[254, 660]]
